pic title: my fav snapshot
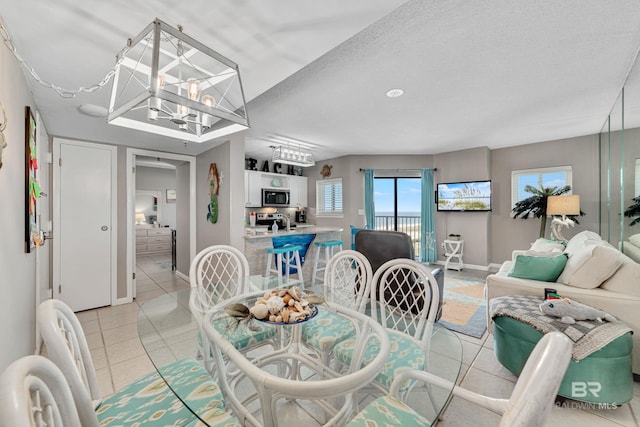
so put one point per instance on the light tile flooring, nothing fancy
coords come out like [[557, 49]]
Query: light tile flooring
[[119, 358]]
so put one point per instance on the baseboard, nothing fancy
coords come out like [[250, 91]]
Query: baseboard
[[182, 276], [468, 266]]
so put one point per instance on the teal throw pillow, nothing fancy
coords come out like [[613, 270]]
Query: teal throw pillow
[[543, 268]]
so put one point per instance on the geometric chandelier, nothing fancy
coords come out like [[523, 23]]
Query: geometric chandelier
[[167, 83]]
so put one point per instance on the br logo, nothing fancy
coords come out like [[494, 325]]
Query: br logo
[[583, 389]]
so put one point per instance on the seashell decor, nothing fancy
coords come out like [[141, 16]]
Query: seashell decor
[[283, 305]]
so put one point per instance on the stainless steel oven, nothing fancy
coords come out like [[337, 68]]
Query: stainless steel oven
[[275, 198]]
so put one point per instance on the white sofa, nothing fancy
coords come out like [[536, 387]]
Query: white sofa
[[631, 247], [595, 274]]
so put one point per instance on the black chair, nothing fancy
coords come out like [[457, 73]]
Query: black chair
[[380, 246]]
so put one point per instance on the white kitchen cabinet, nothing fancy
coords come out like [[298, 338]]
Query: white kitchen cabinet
[[252, 189], [299, 193]]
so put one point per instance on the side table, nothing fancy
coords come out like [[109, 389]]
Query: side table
[[453, 250]]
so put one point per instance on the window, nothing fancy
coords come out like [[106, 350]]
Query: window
[[329, 198], [558, 176]]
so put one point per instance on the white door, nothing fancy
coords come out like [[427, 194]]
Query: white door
[[84, 233]]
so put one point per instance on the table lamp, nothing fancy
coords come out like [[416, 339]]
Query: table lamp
[[562, 205], [140, 218]]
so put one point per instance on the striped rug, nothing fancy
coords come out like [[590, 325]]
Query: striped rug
[[464, 308]]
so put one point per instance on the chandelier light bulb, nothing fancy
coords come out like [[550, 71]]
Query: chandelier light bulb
[[208, 100], [193, 89]]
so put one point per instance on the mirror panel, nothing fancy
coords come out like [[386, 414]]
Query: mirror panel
[[631, 153]]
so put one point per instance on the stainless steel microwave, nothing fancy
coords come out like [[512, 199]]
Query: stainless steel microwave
[[275, 198]]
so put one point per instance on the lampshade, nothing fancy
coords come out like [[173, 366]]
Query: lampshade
[[140, 218], [292, 156], [167, 83], [563, 205]]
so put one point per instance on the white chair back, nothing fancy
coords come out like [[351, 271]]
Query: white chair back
[[347, 279], [407, 296], [217, 273], [67, 347], [534, 394], [34, 392]]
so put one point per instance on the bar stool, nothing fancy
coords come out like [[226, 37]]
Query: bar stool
[[330, 247], [287, 256]]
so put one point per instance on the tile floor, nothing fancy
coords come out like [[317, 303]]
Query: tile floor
[[119, 357]]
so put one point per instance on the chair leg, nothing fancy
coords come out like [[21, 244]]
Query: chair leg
[[315, 266], [298, 266], [279, 261]]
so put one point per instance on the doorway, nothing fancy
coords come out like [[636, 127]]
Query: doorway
[[184, 203]]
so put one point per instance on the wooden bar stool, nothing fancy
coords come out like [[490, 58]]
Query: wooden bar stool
[[287, 257], [329, 247]]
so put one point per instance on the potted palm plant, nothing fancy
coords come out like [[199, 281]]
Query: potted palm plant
[[633, 211], [536, 205]]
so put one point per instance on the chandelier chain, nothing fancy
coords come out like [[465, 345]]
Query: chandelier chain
[[63, 92]]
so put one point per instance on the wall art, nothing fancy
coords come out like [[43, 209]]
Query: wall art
[[32, 188]]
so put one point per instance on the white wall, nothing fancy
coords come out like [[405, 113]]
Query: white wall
[[17, 269]]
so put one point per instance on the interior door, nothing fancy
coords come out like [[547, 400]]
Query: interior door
[[84, 224]]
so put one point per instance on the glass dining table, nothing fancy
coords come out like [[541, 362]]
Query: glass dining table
[[169, 331]]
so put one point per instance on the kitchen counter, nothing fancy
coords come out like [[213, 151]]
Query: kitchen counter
[[258, 232], [255, 243]]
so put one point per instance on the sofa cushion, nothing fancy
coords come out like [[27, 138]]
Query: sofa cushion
[[635, 239], [544, 268], [581, 239], [626, 279], [546, 245], [589, 266]]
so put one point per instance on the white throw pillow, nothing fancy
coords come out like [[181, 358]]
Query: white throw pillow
[[626, 280], [581, 239], [589, 266], [544, 245], [635, 239]]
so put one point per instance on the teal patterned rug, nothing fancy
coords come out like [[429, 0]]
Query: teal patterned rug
[[464, 307]]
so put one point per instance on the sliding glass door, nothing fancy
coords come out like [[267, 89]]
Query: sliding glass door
[[398, 206]]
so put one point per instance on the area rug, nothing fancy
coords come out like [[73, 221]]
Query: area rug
[[464, 308]]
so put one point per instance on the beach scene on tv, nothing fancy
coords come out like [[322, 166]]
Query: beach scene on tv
[[465, 196]]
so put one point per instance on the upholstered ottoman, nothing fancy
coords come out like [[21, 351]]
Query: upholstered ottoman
[[600, 376]]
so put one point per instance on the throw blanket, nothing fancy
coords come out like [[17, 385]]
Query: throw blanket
[[588, 336]]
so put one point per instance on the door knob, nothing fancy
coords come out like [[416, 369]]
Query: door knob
[[104, 228]]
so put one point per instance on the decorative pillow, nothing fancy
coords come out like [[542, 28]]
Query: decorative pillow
[[543, 268], [581, 239], [626, 280], [546, 245], [589, 266], [635, 239]]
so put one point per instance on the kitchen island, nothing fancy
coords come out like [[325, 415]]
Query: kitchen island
[[255, 243]]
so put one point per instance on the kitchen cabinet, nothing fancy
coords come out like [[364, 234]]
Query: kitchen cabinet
[[252, 189], [299, 193]]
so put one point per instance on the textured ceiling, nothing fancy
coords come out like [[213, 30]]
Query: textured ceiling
[[484, 73]]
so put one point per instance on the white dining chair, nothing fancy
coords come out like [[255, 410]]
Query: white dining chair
[[216, 274], [347, 281], [145, 398], [405, 299], [529, 405], [34, 392]]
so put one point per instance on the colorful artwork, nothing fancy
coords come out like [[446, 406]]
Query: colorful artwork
[[214, 187], [32, 188]]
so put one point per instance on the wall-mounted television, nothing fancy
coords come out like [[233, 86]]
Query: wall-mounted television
[[470, 196]]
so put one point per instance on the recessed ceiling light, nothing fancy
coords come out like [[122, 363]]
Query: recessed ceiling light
[[93, 110], [394, 93]]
